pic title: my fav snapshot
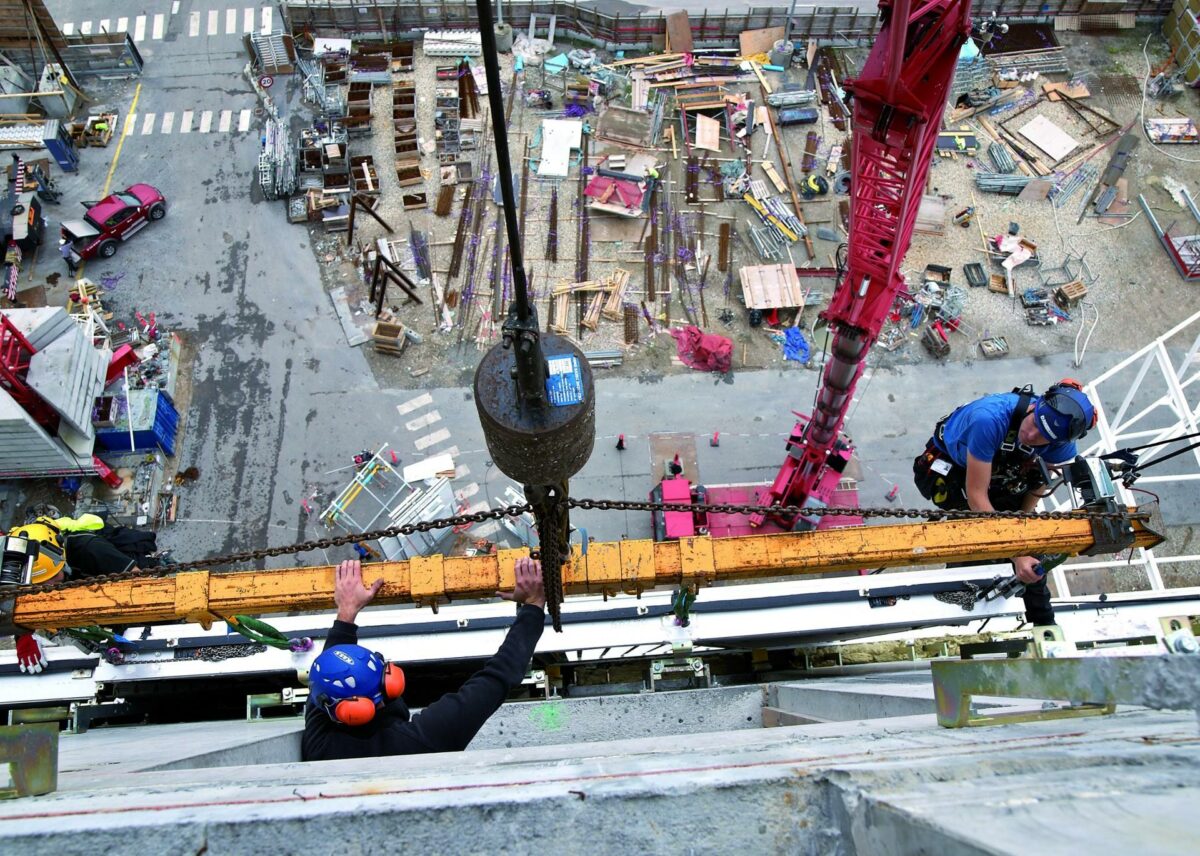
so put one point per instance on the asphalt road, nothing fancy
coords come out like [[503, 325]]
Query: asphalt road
[[281, 403]]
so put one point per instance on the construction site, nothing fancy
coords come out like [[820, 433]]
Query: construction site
[[819, 381]]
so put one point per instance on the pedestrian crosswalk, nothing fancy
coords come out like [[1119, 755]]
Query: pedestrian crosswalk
[[186, 122], [430, 439], [233, 21]]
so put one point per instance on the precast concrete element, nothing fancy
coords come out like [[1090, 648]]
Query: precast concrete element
[[892, 786], [1097, 684]]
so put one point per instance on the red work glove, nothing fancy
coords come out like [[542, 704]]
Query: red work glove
[[30, 655]]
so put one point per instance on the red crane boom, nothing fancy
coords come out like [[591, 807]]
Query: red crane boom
[[898, 104]]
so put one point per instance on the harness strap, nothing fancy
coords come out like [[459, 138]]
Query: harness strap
[[1009, 443]]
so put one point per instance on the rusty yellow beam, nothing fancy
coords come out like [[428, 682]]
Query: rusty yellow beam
[[624, 566]]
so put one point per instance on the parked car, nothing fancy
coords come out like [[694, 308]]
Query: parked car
[[115, 218]]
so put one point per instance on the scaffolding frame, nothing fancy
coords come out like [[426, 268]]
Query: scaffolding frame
[[377, 480]]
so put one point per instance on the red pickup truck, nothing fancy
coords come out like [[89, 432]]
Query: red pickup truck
[[113, 219]]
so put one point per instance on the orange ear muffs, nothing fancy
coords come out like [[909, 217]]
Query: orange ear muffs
[[393, 682], [354, 711]]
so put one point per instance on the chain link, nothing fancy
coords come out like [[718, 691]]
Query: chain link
[[932, 514]]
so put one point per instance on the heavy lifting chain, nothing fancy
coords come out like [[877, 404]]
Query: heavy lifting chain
[[551, 513], [554, 582]]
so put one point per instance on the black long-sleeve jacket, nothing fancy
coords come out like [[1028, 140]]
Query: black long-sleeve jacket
[[447, 725]]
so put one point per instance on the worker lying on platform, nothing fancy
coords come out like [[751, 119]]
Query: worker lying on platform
[[984, 456], [67, 547], [355, 706]]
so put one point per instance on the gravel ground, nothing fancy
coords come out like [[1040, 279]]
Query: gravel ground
[[1132, 272]]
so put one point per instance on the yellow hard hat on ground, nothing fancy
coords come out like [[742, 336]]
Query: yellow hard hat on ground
[[50, 558]]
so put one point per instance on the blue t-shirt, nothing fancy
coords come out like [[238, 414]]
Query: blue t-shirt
[[979, 428]]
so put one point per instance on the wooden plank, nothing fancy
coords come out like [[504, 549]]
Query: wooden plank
[[773, 174]]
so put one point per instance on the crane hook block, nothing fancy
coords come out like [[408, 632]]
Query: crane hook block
[[531, 443]]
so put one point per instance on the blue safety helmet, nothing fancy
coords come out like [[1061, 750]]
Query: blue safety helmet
[[345, 671], [1064, 413]]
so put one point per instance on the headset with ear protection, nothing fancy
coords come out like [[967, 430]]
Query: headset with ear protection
[[345, 666]]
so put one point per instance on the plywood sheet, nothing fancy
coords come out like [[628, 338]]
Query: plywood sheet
[[771, 287], [679, 33], [708, 133], [1048, 137], [559, 137], [752, 42]]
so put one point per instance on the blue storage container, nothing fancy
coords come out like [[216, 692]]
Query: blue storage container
[[155, 423]]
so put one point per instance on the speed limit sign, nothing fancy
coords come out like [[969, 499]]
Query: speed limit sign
[[266, 81]]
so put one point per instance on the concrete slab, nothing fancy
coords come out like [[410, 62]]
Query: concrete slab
[[899, 786]]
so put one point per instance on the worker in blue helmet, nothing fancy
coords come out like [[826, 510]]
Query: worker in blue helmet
[[356, 709], [984, 457]]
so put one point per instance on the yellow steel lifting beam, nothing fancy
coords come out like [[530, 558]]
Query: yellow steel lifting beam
[[624, 566]]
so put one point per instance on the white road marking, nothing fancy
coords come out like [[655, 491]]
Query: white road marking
[[104, 22], [485, 529], [139, 28], [194, 24], [266, 20], [185, 122], [213, 21], [230, 21], [414, 404], [205, 121], [467, 492], [247, 20], [68, 29], [168, 123], [462, 471], [243, 121], [122, 25], [160, 26], [423, 421], [175, 8], [452, 452], [130, 122], [86, 28], [226, 121], [147, 124], [433, 439]]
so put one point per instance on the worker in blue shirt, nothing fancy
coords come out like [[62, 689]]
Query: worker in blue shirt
[[984, 457]]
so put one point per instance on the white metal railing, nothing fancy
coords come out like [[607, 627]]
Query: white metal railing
[[1159, 399]]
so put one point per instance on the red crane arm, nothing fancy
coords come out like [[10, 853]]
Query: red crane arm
[[898, 104]]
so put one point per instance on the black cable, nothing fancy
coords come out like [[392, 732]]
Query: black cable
[[491, 67]]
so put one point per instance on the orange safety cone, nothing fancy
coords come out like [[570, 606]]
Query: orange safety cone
[[715, 440]]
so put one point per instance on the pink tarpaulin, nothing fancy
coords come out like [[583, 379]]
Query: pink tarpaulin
[[703, 351], [628, 192]]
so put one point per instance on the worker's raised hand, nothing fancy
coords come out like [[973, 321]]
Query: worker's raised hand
[[1026, 568], [528, 589], [30, 656], [349, 592]]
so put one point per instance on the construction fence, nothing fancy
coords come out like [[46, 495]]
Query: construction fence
[[616, 31]]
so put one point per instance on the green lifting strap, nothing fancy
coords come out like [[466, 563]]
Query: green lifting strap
[[681, 605], [259, 631], [93, 635]]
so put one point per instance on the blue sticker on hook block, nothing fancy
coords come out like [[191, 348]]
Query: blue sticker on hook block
[[564, 380]]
